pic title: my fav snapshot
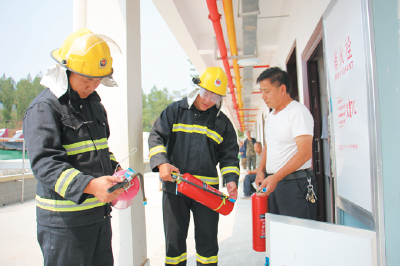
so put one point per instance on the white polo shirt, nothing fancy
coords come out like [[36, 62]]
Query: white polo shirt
[[281, 129]]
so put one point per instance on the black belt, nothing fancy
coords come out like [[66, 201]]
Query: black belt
[[299, 174]]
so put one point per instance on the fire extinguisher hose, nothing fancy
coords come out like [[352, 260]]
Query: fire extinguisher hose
[[176, 176]]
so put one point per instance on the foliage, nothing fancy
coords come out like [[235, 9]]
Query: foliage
[[194, 73], [7, 89], [156, 102], [240, 134], [17, 97], [26, 91]]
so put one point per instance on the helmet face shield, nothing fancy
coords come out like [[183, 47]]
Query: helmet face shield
[[85, 43], [209, 96]]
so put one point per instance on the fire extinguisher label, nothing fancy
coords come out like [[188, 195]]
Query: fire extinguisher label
[[262, 216]]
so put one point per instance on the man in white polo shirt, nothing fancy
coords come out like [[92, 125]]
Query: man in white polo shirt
[[290, 183]]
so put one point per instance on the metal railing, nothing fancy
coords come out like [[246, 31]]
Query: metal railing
[[23, 164], [145, 161]]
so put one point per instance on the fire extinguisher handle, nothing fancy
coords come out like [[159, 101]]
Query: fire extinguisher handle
[[117, 186], [262, 190]]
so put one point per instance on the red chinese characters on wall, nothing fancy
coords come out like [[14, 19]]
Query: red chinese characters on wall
[[348, 147], [344, 66], [346, 110], [348, 48], [335, 65]]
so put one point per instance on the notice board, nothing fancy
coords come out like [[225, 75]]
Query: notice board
[[296, 242], [346, 56]]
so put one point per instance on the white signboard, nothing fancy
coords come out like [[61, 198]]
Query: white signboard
[[346, 69], [293, 241]]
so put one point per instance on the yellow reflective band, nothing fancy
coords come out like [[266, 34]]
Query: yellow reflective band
[[175, 260], [157, 149], [208, 180], [64, 180], [112, 157], [86, 146], [204, 260], [67, 205], [198, 129], [230, 169], [101, 143]]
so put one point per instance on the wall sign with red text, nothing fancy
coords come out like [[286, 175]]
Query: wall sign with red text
[[344, 43]]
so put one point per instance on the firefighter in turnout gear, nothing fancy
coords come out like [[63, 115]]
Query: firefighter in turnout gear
[[66, 132], [193, 136]]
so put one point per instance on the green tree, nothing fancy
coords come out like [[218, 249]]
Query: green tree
[[193, 73], [37, 87], [7, 91], [156, 102], [26, 91], [147, 122]]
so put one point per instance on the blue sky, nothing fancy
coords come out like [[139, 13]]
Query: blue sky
[[32, 29]]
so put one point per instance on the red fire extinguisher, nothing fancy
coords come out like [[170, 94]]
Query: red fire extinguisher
[[196, 189], [259, 207]]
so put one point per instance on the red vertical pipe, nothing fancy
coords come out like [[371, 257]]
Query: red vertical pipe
[[215, 18]]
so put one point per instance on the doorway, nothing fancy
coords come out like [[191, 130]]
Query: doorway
[[319, 108], [291, 68]]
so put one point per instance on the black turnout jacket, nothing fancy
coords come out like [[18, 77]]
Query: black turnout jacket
[[66, 139], [195, 142]]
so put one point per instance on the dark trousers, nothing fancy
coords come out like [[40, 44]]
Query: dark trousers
[[176, 214], [78, 246], [289, 198], [251, 162], [248, 188]]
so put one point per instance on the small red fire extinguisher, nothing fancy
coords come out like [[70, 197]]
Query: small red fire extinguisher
[[259, 207]]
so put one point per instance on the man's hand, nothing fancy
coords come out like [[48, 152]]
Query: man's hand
[[165, 170], [98, 187], [259, 178], [232, 190], [270, 183]]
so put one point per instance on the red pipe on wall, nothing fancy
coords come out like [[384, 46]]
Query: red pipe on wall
[[215, 18]]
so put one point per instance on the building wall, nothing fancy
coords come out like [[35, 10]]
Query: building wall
[[386, 28], [296, 30], [11, 190]]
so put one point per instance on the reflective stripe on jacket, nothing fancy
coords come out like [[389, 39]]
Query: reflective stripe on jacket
[[195, 142], [66, 139]]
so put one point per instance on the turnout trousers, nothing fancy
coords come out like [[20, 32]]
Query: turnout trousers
[[88, 245], [176, 215]]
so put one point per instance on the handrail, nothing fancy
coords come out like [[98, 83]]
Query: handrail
[[23, 164]]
